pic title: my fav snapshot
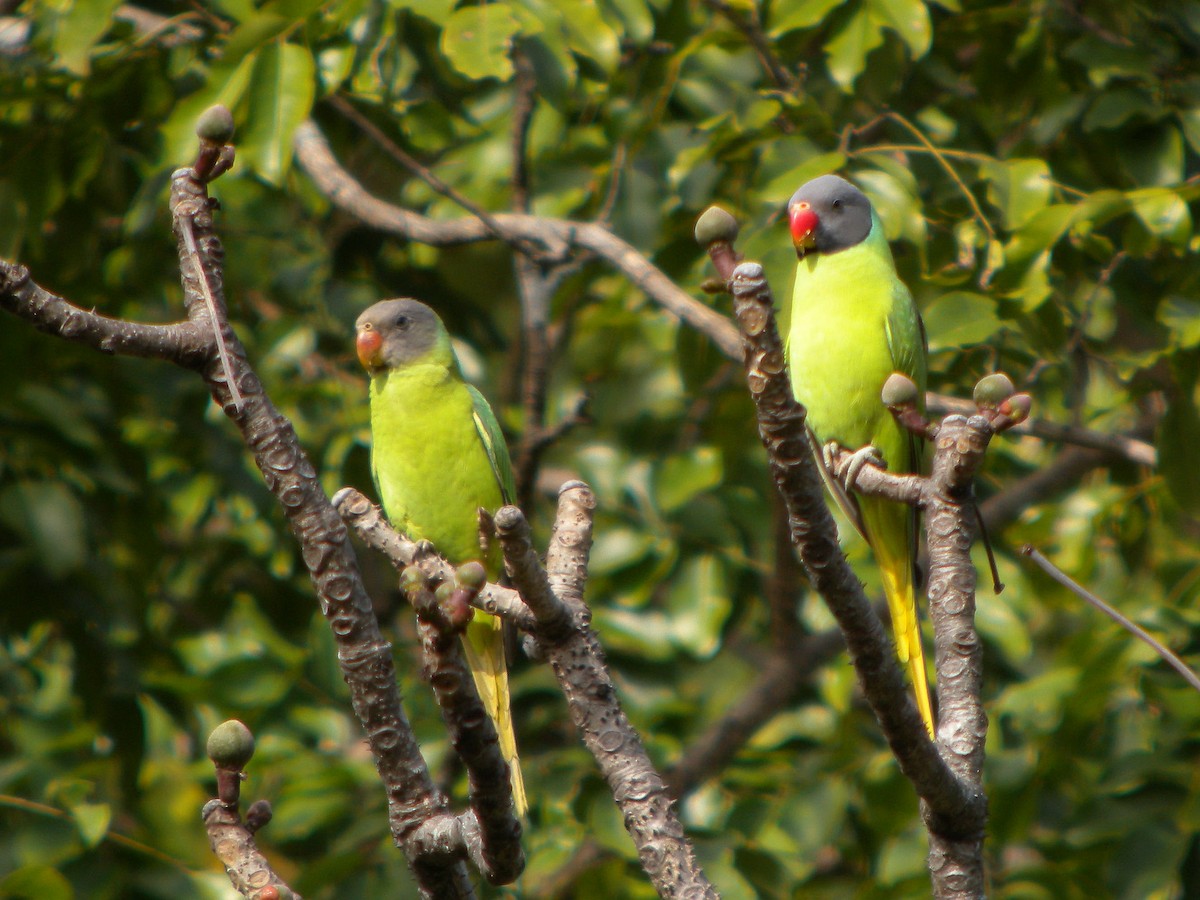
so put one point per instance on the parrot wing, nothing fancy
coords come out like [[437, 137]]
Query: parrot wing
[[845, 500], [493, 442], [906, 339]]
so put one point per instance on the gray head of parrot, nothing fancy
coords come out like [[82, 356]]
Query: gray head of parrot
[[392, 334], [828, 214]]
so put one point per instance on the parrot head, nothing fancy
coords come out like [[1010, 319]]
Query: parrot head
[[828, 214], [392, 334]]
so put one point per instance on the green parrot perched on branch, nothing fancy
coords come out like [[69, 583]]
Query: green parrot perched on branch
[[439, 460], [852, 324]]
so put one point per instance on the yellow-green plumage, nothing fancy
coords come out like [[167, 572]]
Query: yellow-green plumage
[[852, 324], [438, 458]]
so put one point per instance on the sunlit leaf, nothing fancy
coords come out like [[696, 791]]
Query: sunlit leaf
[[280, 92], [477, 39], [847, 51], [1020, 188]]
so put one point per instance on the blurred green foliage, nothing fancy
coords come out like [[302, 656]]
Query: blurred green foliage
[[1036, 165]]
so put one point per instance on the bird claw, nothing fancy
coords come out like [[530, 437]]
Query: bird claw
[[849, 470], [487, 529]]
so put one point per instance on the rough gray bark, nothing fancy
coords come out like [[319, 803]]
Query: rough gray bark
[[575, 655]]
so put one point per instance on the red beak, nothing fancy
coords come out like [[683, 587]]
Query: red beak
[[368, 344], [804, 225]]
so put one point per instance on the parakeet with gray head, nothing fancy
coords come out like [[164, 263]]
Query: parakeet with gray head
[[439, 458], [852, 323]]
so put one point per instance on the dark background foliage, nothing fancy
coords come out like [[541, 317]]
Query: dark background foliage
[[1036, 167]]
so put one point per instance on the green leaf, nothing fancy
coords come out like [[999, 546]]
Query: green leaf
[[590, 35], [1039, 233], [77, 31], [893, 193], [51, 517], [999, 623], [436, 11], [280, 94], [1164, 213], [1037, 703], [1178, 437], [1104, 60], [1153, 155], [959, 319], [254, 35], [909, 19], [36, 883], [1181, 317], [637, 18], [477, 40], [846, 53], [699, 605], [802, 14], [92, 820], [1019, 188], [1189, 121], [680, 478], [1114, 108], [782, 186]]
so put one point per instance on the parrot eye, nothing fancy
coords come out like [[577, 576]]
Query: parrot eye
[[402, 321], [836, 203]]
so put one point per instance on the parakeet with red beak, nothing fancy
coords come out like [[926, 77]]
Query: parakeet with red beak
[[852, 324], [439, 458]]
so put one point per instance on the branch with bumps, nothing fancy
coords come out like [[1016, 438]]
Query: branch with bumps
[[231, 747], [548, 604], [206, 343]]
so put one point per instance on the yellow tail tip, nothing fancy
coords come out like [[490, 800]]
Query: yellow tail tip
[[916, 669], [520, 801]]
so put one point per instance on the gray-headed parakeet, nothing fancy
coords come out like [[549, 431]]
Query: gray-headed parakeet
[[853, 323], [438, 457]]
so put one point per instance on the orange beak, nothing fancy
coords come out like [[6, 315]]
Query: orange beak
[[803, 222], [368, 344]]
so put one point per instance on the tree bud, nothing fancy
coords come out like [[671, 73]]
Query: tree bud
[[993, 390], [715, 224], [899, 390], [230, 745], [215, 125]]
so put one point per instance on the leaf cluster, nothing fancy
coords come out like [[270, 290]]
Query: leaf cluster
[[1036, 168]]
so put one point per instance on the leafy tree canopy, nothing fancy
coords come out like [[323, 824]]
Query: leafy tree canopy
[[1036, 167]]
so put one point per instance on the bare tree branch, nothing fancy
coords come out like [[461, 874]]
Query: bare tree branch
[[578, 662], [557, 236], [373, 529], [232, 842], [1126, 446], [490, 832], [365, 657], [188, 344]]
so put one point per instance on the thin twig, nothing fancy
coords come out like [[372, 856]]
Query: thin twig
[[1131, 448], [216, 314], [1132, 627], [745, 20], [937, 154], [397, 153]]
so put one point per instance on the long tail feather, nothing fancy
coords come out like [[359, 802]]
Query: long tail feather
[[891, 541], [484, 646]]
